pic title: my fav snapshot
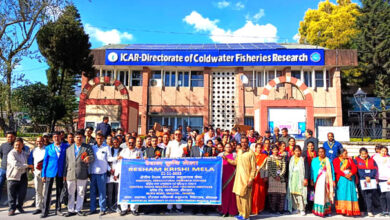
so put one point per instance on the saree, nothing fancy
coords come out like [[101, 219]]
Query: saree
[[323, 178], [259, 188], [229, 205], [346, 195], [296, 176]]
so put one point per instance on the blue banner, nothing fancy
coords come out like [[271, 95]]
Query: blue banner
[[171, 181], [215, 58]]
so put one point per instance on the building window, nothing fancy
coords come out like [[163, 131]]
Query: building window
[[90, 124], [123, 77], [329, 81], [251, 79], [262, 78], [170, 78], [307, 78], [322, 122], [115, 125], [296, 74], [174, 122], [319, 75], [108, 73], [197, 79], [249, 120], [184, 78], [156, 74], [136, 78]]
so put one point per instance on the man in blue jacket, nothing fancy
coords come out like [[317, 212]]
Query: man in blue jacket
[[104, 127], [332, 147], [53, 169]]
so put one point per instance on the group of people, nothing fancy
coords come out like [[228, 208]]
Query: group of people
[[260, 173]]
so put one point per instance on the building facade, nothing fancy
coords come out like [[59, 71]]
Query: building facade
[[264, 85]]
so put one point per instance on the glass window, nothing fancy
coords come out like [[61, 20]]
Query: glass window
[[307, 77], [261, 78], [154, 119], [251, 80], [123, 77], [167, 81], [109, 73], [197, 79], [279, 74], [136, 78], [115, 125], [90, 124], [319, 75], [296, 74], [174, 122], [249, 121], [329, 81], [183, 79], [271, 75], [156, 74]]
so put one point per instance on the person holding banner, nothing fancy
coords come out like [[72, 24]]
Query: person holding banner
[[383, 162], [323, 180], [128, 153], [245, 174], [229, 205], [367, 171], [259, 190], [175, 149]]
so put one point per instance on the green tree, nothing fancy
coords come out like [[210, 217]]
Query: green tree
[[35, 100], [66, 47], [19, 23], [373, 44]]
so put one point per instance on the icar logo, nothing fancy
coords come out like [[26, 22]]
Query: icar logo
[[315, 57], [112, 57]]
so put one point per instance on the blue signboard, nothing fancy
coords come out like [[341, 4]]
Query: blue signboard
[[215, 58], [171, 181]]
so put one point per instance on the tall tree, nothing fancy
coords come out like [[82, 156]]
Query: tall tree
[[66, 47], [373, 45], [19, 23]]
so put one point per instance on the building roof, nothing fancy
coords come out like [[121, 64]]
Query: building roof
[[229, 46]]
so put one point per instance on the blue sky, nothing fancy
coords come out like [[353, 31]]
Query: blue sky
[[184, 21]]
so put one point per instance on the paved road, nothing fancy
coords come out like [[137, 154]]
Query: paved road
[[186, 216]]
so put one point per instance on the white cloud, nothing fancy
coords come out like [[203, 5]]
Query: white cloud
[[239, 6], [250, 32], [256, 17], [296, 37], [223, 4], [112, 36]]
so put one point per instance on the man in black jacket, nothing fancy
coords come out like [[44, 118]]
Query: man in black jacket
[[5, 148]]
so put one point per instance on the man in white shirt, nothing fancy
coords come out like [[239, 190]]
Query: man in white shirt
[[128, 153], [98, 170], [35, 162], [209, 135], [175, 150]]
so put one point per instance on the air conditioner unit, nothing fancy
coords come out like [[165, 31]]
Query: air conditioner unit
[[155, 82]]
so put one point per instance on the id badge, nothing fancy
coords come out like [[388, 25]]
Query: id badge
[[368, 171], [278, 172], [331, 151]]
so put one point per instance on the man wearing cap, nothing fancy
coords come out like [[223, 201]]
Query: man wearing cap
[[5, 148]]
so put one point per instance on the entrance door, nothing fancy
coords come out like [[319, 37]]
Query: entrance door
[[222, 105]]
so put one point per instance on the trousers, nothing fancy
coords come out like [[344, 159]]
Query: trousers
[[17, 192], [98, 185], [244, 204], [112, 195], [47, 194], [76, 186], [39, 191]]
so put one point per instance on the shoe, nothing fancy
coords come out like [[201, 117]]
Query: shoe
[[225, 215], [11, 213], [44, 215], [102, 213], [179, 211], [20, 209], [37, 212], [370, 214], [92, 212], [80, 213], [239, 217], [135, 213], [303, 213], [118, 210], [383, 214], [123, 213], [170, 211], [68, 214], [294, 212], [58, 212]]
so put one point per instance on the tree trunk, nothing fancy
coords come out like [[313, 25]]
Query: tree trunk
[[10, 115], [384, 118]]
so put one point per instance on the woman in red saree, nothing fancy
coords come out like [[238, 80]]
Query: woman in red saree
[[259, 188], [229, 205]]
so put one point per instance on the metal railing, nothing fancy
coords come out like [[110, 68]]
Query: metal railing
[[372, 132]]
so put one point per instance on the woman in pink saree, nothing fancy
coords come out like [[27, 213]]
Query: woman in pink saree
[[229, 205]]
